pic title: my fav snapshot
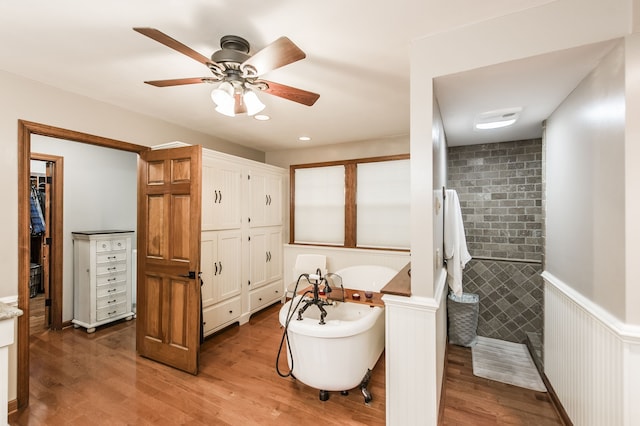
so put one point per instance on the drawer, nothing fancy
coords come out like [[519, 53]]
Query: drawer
[[111, 300], [265, 295], [111, 257], [110, 245], [112, 289], [111, 311], [110, 279], [118, 244], [103, 245], [111, 268], [221, 313]]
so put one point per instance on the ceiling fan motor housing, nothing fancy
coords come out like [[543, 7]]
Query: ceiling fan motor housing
[[235, 49]]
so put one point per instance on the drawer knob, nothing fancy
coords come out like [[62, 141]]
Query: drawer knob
[[230, 312]]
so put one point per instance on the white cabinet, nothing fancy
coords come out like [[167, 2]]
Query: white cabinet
[[221, 195], [242, 221], [265, 264], [221, 262], [266, 199], [101, 277]]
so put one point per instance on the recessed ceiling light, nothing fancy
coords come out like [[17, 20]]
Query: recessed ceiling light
[[497, 119], [495, 124], [261, 117], [304, 138]]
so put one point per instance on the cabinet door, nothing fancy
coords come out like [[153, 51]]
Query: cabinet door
[[209, 263], [221, 266], [258, 258], [266, 255], [228, 282], [273, 185], [221, 196], [266, 199], [274, 250]]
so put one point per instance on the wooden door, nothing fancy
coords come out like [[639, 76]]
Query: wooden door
[[168, 292]]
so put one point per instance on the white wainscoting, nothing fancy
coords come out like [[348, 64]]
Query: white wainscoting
[[340, 257], [416, 333], [591, 358]]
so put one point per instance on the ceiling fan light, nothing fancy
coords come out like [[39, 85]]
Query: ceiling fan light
[[252, 103], [228, 110], [222, 95]]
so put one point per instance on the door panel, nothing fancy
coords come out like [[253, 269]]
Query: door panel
[[169, 197]]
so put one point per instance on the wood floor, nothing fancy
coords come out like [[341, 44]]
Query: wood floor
[[97, 379]]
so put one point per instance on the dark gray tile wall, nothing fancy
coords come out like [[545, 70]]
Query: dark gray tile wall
[[500, 191]]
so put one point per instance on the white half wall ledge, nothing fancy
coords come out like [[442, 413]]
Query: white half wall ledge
[[629, 333]]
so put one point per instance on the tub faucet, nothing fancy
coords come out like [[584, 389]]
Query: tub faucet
[[316, 280]]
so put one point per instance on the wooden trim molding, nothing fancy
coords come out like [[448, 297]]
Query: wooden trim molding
[[25, 130], [350, 214]]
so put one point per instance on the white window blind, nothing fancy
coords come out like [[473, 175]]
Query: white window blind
[[383, 204], [319, 205]]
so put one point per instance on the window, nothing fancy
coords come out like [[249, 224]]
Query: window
[[354, 203]]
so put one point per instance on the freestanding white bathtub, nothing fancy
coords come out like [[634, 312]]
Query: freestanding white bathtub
[[340, 354]]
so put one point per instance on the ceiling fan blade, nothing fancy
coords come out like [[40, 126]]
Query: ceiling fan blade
[[290, 93], [161, 37], [278, 54], [178, 81]]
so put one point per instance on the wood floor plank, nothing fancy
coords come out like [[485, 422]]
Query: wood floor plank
[[98, 379]]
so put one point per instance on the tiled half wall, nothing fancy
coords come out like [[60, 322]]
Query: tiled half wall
[[500, 191]]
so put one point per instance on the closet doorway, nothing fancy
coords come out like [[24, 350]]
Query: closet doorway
[[25, 131], [45, 269]]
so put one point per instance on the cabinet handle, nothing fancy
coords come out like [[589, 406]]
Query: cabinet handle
[[111, 301], [215, 265], [267, 256], [113, 268], [220, 192], [220, 263], [111, 279], [269, 199], [111, 257], [266, 200], [111, 313], [111, 290]]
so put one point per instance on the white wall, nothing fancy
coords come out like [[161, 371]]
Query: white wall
[[551, 27], [100, 192], [32, 101], [585, 222]]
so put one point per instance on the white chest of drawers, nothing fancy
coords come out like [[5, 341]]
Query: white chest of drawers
[[101, 277]]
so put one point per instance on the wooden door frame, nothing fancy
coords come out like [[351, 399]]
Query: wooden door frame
[[25, 130], [55, 230]]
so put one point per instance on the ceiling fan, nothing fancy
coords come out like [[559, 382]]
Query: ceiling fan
[[238, 72]]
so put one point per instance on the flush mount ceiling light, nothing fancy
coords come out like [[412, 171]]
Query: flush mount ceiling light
[[304, 138], [238, 72], [497, 118]]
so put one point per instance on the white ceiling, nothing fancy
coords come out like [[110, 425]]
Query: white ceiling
[[357, 60]]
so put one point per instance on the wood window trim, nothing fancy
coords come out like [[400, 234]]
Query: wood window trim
[[350, 217]]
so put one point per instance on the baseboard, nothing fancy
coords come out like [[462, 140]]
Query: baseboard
[[557, 405], [442, 385], [12, 410]]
